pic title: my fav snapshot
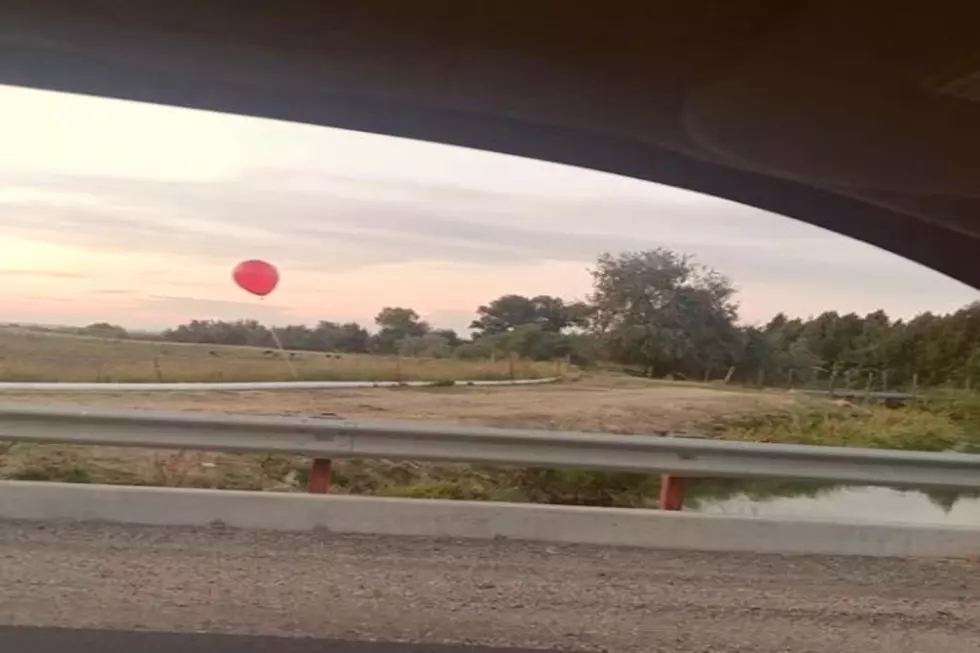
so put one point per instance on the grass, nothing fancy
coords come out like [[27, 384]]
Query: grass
[[27, 355], [874, 427], [936, 421]]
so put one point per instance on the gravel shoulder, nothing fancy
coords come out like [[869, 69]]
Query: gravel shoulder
[[493, 593]]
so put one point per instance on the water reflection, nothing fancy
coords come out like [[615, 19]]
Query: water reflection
[[794, 499]]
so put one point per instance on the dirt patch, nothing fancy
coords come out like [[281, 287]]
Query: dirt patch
[[600, 403]]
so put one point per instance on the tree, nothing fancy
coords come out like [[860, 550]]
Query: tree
[[296, 336], [219, 332], [451, 337], [431, 345], [529, 341], [104, 330], [396, 324], [503, 314], [350, 337], [549, 313], [554, 315], [664, 312]]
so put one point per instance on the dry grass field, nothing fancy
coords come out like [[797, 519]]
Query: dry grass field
[[29, 355]]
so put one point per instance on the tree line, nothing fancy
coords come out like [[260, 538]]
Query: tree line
[[660, 313], [528, 327]]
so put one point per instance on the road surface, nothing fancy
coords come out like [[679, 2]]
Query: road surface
[[71, 640], [495, 594]]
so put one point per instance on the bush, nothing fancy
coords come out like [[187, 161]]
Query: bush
[[531, 342], [431, 345], [478, 350], [876, 427]]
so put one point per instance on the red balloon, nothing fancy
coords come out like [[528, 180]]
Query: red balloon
[[257, 277]]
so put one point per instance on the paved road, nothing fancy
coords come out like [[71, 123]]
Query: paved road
[[72, 640], [489, 593]]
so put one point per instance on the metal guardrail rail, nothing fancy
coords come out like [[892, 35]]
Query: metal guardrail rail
[[328, 438]]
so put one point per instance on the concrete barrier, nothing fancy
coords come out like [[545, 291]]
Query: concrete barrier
[[225, 386], [41, 501]]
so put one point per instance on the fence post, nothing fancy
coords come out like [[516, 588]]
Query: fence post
[[320, 476], [671, 492], [731, 371]]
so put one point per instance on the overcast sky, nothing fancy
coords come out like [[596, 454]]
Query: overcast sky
[[136, 214]]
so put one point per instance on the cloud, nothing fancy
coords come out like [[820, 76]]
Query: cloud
[[48, 299], [153, 204], [345, 223], [46, 274], [181, 308]]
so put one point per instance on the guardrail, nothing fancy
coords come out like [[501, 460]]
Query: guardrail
[[324, 439]]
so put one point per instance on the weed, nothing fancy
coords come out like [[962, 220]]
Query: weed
[[875, 427], [442, 383]]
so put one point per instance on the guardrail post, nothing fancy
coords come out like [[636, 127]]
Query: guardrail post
[[671, 492], [320, 476]]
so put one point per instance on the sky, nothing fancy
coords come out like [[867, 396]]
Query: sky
[[135, 214]]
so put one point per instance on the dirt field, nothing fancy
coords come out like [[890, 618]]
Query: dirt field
[[28, 355], [610, 403], [600, 403]]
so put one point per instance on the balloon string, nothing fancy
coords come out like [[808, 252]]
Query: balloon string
[[285, 358], [285, 354]]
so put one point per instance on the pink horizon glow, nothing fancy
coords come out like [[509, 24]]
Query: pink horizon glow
[[135, 214]]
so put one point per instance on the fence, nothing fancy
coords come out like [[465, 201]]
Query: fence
[[324, 439]]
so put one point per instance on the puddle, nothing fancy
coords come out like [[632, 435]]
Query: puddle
[[853, 503]]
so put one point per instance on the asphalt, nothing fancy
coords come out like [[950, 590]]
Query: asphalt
[[173, 589], [70, 640]]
